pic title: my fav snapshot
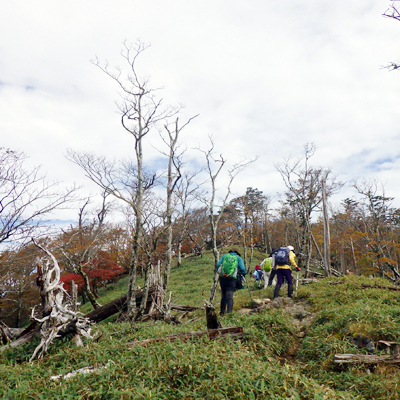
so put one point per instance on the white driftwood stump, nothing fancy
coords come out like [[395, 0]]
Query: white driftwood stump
[[58, 314]]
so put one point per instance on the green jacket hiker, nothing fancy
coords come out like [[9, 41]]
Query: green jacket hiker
[[229, 266]]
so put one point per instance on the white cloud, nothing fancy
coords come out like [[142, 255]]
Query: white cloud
[[265, 77]]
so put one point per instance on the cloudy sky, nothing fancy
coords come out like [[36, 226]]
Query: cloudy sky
[[265, 77]]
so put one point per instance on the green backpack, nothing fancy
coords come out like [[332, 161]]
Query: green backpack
[[267, 266], [228, 268]]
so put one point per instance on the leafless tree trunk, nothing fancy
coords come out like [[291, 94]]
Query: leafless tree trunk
[[84, 244], [173, 177], [304, 192], [327, 238], [141, 113], [210, 202]]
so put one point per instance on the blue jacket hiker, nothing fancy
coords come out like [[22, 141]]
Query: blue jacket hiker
[[258, 273], [229, 266]]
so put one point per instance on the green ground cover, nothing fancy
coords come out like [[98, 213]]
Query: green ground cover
[[276, 360]]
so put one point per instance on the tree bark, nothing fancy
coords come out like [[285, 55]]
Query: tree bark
[[327, 237]]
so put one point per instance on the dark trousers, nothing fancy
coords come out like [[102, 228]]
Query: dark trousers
[[227, 289], [271, 276], [283, 274]]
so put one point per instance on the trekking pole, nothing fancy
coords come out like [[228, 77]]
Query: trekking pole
[[297, 281]]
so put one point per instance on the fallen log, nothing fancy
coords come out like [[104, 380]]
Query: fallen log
[[305, 281], [177, 307], [81, 371], [364, 286], [8, 334], [316, 273], [233, 332], [118, 305], [95, 316], [21, 340], [111, 308], [365, 359]]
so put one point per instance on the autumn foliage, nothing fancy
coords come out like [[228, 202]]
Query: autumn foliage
[[99, 271]]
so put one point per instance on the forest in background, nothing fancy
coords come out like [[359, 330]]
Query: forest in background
[[179, 210], [364, 240]]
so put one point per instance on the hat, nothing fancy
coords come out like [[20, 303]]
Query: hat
[[291, 248], [234, 251], [258, 267]]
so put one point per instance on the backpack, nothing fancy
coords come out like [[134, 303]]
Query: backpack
[[259, 275], [239, 281], [267, 266], [282, 256], [228, 268]]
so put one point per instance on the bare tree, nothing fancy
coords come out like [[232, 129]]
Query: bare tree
[[251, 208], [25, 196], [393, 13], [80, 245], [173, 177], [153, 235], [304, 184], [185, 195], [141, 113], [209, 201], [377, 217]]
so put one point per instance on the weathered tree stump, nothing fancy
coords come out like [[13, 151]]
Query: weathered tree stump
[[211, 316]]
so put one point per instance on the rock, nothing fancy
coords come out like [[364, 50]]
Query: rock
[[260, 302], [245, 311], [362, 341]]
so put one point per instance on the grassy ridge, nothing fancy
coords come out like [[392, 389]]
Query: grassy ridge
[[273, 362]]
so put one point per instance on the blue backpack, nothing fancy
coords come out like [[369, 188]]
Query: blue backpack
[[282, 256]]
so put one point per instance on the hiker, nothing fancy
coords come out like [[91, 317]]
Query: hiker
[[284, 260], [273, 270], [268, 266], [258, 274], [228, 267]]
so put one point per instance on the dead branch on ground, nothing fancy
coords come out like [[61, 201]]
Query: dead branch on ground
[[365, 286]]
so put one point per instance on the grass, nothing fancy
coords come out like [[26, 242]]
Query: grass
[[272, 362]]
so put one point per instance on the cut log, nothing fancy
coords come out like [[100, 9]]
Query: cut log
[[233, 332]]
